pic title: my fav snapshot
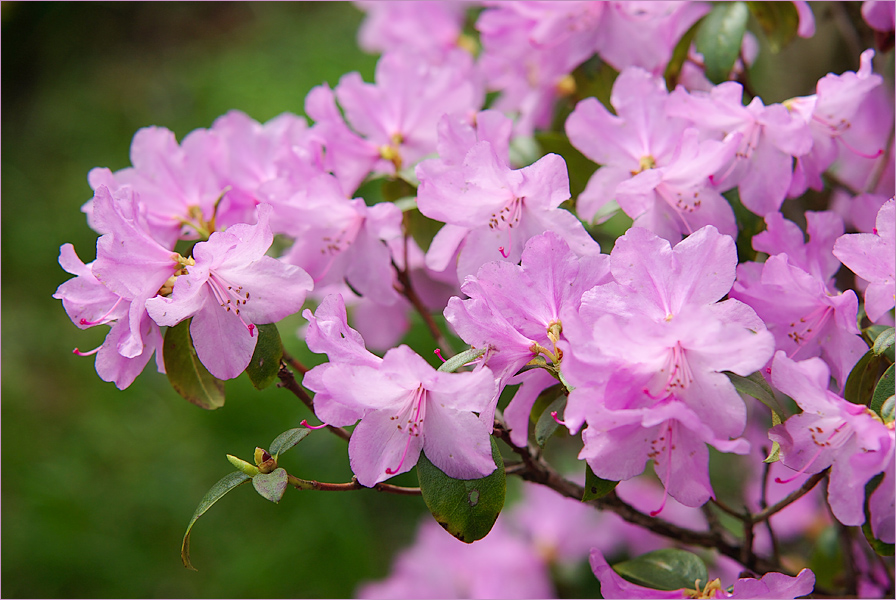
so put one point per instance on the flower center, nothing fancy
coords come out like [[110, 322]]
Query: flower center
[[506, 219], [230, 297], [807, 327], [708, 591], [677, 372], [411, 420]]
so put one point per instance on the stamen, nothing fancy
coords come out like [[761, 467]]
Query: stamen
[[801, 471], [88, 353], [104, 319], [813, 323], [668, 445], [230, 298], [822, 444], [858, 152], [414, 423]]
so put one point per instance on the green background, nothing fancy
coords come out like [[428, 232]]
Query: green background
[[98, 484]]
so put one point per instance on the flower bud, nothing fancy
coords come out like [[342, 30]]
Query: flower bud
[[264, 460]]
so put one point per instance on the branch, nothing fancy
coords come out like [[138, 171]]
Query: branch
[[407, 290], [304, 484], [790, 498], [294, 363], [288, 381], [534, 469]]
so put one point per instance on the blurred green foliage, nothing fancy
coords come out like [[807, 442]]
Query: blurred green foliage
[[99, 484]]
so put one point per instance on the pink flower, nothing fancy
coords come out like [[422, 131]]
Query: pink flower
[[404, 405], [399, 112], [643, 34], [529, 50], [515, 311], [177, 184], [771, 137], [501, 565], [815, 256], [89, 303], [771, 585], [802, 314], [830, 432], [829, 113], [872, 256], [653, 164], [646, 353], [337, 239], [491, 210], [431, 28], [231, 287]]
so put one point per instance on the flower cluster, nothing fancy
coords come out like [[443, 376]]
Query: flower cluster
[[640, 344]]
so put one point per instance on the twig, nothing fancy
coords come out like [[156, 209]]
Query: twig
[[305, 484], [536, 470], [288, 381], [407, 290], [790, 498], [763, 504], [727, 509], [294, 363], [713, 520]]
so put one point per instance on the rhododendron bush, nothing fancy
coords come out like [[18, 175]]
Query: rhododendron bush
[[628, 264]]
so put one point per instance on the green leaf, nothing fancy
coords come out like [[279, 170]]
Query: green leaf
[[882, 548], [595, 487], [884, 343], [756, 386], [679, 55], [888, 410], [862, 379], [775, 454], [271, 485], [422, 228], [544, 399], [466, 508], [719, 38], [187, 375], [247, 468], [224, 485], [397, 188], [779, 21], [667, 569], [883, 391], [547, 425], [458, 360], [287, 440], [265, 363]]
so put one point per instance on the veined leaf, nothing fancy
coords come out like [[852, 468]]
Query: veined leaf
[[224, 485], [466, 508], [265, 363], [719, 38], [595, 487], [188, 376], [287, 440], [667, 569]]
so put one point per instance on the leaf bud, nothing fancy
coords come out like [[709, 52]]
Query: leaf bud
[[243, 466]]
